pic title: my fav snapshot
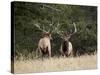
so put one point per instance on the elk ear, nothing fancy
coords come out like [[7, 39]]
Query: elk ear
[[43, 34], [61, 37], [64, 34], [49, 34]]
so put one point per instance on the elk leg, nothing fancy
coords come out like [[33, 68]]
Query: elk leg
[[66, 55], [42, 52], [42, 56], [36, 54], [49, 52], [71, 54], [62, 53]]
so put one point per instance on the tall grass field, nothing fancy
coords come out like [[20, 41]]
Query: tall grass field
[[56, 64]]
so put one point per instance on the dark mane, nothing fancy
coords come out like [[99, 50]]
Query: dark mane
[[65, 46]]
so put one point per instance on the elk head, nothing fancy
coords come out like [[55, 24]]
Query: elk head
[[66, 36], [66, 46], [45, 32], [44, 45]]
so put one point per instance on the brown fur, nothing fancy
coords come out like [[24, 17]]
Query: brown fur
[[44, 45], [66, 46]]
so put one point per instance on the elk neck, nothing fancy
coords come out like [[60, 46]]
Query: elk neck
[[46, 37], [65, 45]]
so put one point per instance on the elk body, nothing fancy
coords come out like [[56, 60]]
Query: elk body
[[66, 46], [44, 45]]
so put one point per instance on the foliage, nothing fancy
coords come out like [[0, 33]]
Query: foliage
[[26, 14]]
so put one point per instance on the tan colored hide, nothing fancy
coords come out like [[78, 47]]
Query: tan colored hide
[[70, 50], [44, 46]]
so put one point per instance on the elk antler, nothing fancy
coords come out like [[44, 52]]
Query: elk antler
[[74, 30], [55, 28], [42, 29]]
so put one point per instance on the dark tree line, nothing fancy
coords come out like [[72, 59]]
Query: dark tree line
[[27, 35]]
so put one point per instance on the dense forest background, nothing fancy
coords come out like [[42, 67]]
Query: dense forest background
[[27, 35]]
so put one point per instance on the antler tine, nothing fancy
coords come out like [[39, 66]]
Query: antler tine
[[52, 26], [57, 29], [38, 26], [43, 28], [74, 31], [75, 27]]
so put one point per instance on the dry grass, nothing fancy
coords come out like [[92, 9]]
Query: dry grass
[[56, 64]]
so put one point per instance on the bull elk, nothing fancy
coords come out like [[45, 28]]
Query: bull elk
[[44, 45], [66, 48]]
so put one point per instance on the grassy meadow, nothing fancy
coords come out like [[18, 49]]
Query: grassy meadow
[[56, 64]]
